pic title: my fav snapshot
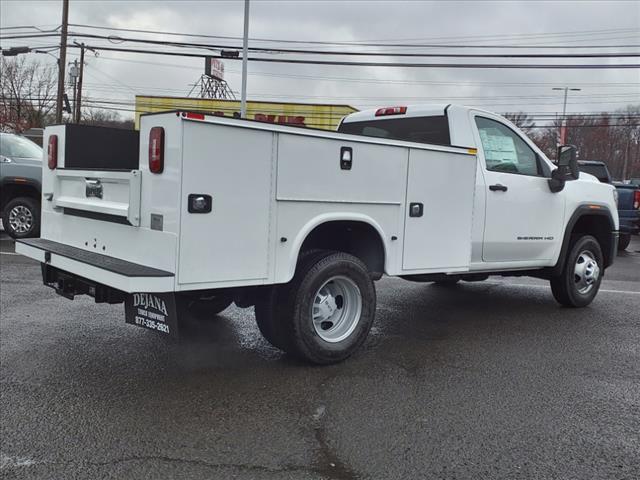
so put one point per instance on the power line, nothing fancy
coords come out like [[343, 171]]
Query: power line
[[189, 104], [364, 42], [383, 80], [110, 87], [382, 64], [353, 53], [270, 50]]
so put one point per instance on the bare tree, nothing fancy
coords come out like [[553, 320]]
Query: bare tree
[[521, 120], [27, 94], [105, 118], [613, 138]]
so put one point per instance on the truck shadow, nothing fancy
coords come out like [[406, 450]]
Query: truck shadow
[[406, 312]]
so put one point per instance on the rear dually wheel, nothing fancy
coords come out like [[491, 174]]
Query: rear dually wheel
[[325, 313]]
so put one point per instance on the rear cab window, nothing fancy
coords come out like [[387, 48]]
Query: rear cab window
[[432, 129], [598, 171]]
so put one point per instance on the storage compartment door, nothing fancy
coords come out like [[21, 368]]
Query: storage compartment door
[[439, 237], [233, 166]]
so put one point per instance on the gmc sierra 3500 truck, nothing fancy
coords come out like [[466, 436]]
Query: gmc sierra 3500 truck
[[300, 223]]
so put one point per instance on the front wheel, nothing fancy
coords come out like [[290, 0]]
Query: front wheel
[[581, 275], [325, 313]]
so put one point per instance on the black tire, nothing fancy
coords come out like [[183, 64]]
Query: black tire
[[623, 242], [266, 307], [448, 283], [292, 327], [565, 287], [266, 317], [205, 307], [32, 208]]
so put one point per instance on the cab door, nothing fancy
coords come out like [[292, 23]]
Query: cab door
[[523, 218]]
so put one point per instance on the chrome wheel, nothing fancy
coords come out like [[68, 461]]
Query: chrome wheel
[[20, 219], [336, 309], [586, 272]]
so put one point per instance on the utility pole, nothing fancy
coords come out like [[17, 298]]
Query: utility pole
[[78, 104], [62, 61], [245, 43], [625, 165]]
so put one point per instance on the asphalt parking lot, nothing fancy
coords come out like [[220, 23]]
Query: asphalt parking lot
[[486, 380]]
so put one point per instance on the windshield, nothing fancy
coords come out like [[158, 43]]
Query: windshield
[[434, 130], [598, 171], [14, 146]]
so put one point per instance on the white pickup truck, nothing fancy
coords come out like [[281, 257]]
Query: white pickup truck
[[300, 223]]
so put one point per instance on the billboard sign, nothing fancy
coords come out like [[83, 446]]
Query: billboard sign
[[214, 68]]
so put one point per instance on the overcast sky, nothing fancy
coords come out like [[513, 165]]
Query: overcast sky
[[120, 76]]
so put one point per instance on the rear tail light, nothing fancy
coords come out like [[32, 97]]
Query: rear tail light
[[52, 152], [156, 150], [636, 199], [391, 111]]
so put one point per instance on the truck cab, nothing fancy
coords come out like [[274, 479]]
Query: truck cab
[[518, 221]]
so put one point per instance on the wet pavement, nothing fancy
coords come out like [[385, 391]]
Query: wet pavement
[[484, 380]]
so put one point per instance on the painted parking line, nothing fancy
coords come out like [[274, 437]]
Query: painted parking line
[[547, 287]]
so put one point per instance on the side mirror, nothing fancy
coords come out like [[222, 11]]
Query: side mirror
[[567, 168], [567, 161]]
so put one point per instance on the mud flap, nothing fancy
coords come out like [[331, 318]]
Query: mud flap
[[153, 311]]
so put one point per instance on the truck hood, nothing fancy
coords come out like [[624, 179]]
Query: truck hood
[[588, 177]]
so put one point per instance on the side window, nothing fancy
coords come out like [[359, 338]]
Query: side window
[[504, 150]]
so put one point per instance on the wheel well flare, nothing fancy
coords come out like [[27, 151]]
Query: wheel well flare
[[354, 237]]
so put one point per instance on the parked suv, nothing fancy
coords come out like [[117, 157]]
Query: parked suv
[[20, 182]]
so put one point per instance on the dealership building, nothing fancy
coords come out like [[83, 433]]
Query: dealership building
[[326, 117]]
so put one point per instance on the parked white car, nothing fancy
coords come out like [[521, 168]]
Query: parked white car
[[300, 223]]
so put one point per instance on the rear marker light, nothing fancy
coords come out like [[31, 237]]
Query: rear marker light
[[636, 199], [391, 111], [156, 150], [193, 116], [52, 152]]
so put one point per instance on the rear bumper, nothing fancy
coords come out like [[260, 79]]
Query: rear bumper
[[99, 269]]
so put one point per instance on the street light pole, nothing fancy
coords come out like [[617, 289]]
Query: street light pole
[[73, 73], [245, 43], [563, 126], [63, 59]]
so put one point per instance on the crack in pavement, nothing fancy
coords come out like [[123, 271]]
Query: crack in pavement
[[328, 463]]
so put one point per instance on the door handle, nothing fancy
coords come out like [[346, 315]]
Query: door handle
[[498, 188]]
